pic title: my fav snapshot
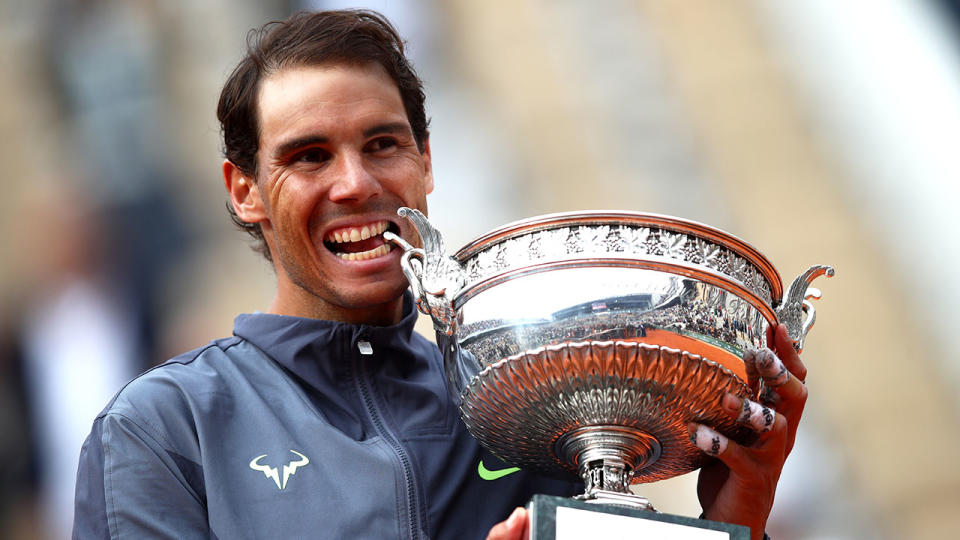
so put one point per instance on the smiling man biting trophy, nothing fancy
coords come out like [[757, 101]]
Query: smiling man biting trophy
[[595, 350]]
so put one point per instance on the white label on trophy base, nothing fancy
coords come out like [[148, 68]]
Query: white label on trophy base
[[576, 524]]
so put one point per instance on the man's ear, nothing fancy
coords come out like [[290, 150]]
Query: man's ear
[[244, 195], [428, 167]]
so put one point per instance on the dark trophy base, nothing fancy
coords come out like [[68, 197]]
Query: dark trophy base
[[558, 518]]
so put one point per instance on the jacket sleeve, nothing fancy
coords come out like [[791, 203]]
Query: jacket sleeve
[[130, 485]]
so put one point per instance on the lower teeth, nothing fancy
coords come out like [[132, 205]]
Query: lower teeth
[[364, 255]]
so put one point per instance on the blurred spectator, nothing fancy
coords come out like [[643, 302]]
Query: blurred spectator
[[107, 64], [18, 473], [78, 343], [99, 245]]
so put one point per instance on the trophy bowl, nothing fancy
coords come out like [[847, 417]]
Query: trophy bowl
[[580, 344]]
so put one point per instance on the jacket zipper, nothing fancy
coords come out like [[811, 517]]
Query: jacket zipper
[[374, 411]]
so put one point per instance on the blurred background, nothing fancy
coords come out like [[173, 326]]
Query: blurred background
[[819, 131]]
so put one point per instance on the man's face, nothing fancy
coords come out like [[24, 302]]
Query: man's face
[[337, 158]]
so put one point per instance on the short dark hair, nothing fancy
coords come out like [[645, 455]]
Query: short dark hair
[[354, 37]]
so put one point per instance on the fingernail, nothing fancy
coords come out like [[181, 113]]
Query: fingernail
[[709, 440], [731, 402]]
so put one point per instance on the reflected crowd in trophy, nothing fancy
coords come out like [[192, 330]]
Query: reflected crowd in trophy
[[697, 316]]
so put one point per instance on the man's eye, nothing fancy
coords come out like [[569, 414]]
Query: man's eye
[[382, 143], [313, 155]]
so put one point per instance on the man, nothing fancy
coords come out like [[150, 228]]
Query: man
[[327, 416]]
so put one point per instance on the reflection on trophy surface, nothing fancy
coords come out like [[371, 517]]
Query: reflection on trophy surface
[[583, 343]]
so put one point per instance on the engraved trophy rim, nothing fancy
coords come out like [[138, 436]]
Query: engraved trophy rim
[[764, 298]]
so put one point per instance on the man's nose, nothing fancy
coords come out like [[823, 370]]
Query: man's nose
[[353, 182]]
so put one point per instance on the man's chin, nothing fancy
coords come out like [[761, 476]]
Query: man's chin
[[379, 295]]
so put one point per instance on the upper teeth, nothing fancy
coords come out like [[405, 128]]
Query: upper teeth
[[356, 234]]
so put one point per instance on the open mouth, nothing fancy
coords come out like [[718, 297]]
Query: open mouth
[[360, 243]]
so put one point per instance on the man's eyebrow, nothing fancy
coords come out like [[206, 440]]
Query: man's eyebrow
[[392, 127], [299, 142], [379, 129]]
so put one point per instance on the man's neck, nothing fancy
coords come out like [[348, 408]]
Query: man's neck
[[386, 314]]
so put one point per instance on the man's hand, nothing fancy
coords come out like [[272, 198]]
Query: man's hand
[[739, 487], [514, 528]]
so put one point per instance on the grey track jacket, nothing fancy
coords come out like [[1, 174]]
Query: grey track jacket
[[289, 430]]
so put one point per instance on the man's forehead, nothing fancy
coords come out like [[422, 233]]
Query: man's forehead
[[290, 90]]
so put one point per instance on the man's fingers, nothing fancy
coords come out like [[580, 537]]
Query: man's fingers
[[750, 362], [779, 340], [775, 375], [739, 458], [514, 528], [747, 412], [708, 440], [783, 345], [780, 389], [772, 370], [715, 444]]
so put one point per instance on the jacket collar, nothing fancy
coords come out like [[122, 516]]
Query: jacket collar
[[319, 351]]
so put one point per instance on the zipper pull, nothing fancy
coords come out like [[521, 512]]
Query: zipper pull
[[365, 347]]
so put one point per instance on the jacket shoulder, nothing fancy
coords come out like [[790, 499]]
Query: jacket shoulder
[[173, 389]]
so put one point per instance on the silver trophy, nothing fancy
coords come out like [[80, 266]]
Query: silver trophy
[[582, 343]]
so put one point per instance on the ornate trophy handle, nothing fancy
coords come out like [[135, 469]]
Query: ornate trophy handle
[[411, 262], [796, 311], [434, 277]]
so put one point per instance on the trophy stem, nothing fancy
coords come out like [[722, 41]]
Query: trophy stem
[[606, 457]]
